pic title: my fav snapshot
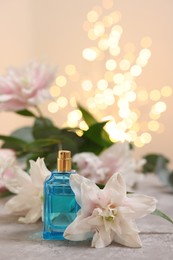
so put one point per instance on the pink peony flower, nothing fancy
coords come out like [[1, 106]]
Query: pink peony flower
[[100, 168], [7, 162], [107, 215], [27, 87]]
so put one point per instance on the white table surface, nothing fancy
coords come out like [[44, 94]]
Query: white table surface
[[21, 241]]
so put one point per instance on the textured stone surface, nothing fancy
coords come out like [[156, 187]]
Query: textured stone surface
[[20, 241]]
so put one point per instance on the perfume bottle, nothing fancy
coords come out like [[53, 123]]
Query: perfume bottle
[[60, 206]]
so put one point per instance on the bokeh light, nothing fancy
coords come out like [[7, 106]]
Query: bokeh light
[[108, 82]]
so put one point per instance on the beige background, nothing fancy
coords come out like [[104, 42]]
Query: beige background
[[52, 31]]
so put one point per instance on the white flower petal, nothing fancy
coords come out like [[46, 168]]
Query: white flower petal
[[79, 229], [32, 216], [117, 183], [127, 233], [38, 172], [91, 196], [102, 238], [142, 205], [19, 180], [130, 240], [75, 182], [17, 204]]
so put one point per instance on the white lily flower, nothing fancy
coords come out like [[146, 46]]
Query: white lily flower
[[117, 158], [7, 163], [109, 214], [29, 189]]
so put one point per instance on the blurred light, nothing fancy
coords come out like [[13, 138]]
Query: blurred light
[[61, 81], [160, 107], [166, 91], [87, 85], [53, 107], [75, 115], [153, 115], [135, 70], [103, 44], [138, 142], [145, 138], [89, 54], [91, 103], [130, 57], [131, 96], [83, 125], [153, 125], [118, 78], [102, 84], [108, 21], [145, 54], [79, 132], [91, 35], [62, 102], [155, 95], [131, 136], [124, 65], [146, 42], [111, 65], [114, 51], [55, 91], [92, 16], [116, 16], [142, 95], [99, 29], [70, 69], [73, 102]]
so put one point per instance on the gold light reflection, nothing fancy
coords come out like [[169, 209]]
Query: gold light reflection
[[53, 107], [55, 91], [110, 83], [61, 81]]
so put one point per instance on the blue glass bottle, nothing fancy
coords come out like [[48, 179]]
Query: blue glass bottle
[[60, 206]]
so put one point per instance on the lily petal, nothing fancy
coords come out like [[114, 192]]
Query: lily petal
[[117, 183], [32, 216], [142, 205], [75, 182], [38, 172], [102, 238], [79, 229]]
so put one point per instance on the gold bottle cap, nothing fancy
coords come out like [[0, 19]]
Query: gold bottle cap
[[64, 161]]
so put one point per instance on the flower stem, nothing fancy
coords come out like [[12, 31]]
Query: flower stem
[[40, 114]]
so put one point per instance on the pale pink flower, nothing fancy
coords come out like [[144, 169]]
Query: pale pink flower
[[28, 202], [7, 162], [109, 214], [20, 89], [100, 168]]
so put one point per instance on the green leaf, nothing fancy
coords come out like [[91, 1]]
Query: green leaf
[[25, 112], [170, 179], [87, 116], [13, 143], [43, 127], [5, 193], [95, 134], [152, 161], [24, 133], [159, 213], [40, 143]]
